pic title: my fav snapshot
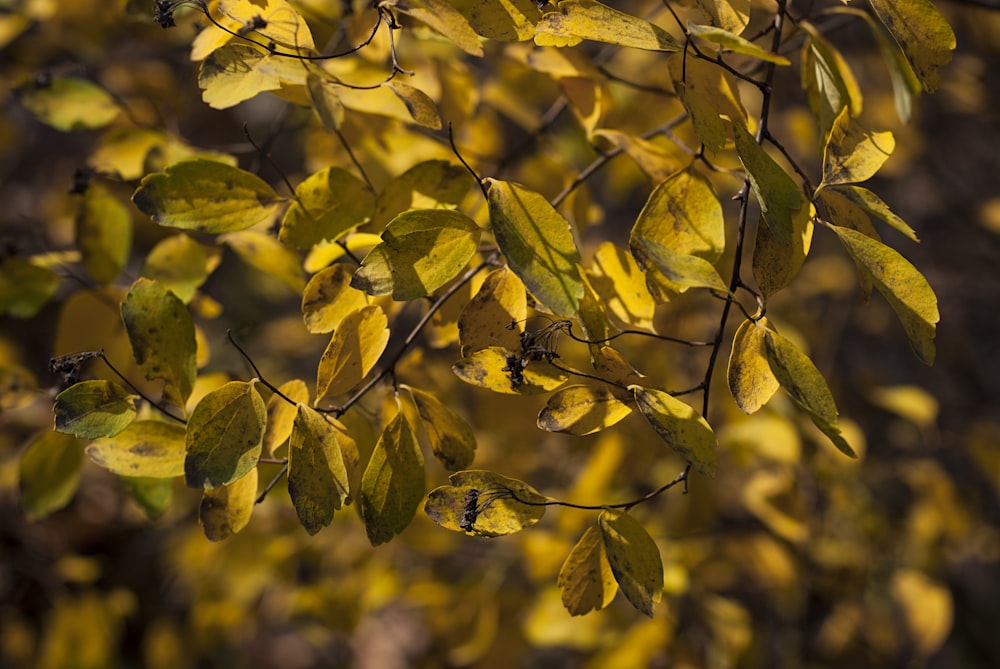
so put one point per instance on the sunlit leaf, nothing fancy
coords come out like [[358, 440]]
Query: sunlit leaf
[[428, 185], [735, 43], [420, 105], [206, 196], [352, 352], [853, 154], [92, 409], [591, 20], [485, 504], [422, 250], [765, 496], [103, 233], [235, 73], [281, 414], [274, 21], [48, 473], [451, 439], [325, 101], [621, 286], [927, 608], [179, 264], [328, 204], [911, 402], [775, 263], [586, 579], [489, 317], [683, 428], [393, 482], [582, 410], [226, 510], [24, 287], [317, 477], [657, 160], [922, 33], [710, 95], [146, 448], [828, 80], [634, 558], [68, 103], [501, 370], [267, 254], [731, 15], [501, 20], [805, 384], [329, 298], [750, 378], [680, 269], [904, 288], [874, 205], [161, 333], [444, 18], [778, 195], [224, 435], [538, 244]]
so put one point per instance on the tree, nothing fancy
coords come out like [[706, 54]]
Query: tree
[[577, 210]]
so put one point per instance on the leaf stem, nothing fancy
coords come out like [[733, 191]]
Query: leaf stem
[[141, 394]]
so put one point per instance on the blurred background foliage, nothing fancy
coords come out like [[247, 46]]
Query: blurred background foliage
[[792, 557]]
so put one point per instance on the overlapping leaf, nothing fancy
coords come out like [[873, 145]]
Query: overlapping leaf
[[778, 195], [922, 33], [224, 435], [317, 476], [577, 20], [329, 298], [751, 380], [92, 409], [48, 473], [491, 316], [503, 371], [327, 204], [68, 103], [828, 80], [451, 439], [146, 448], [684, 430], [352, 352], [485, 504], [586, 579], [281, 415], [634, 558], [735, 43], [582, 410], [393, 483], [226, 510], [268, 255], [853, 154]]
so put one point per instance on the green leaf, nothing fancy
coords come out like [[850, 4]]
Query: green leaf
[[152, 495], [92, 409], [577, 20], [206, 196], [68, 103], [775, 263], [805, 384], [267, 254], [486, 320], [352, 352], [680, 426], [485, 504], [161, 333], [491, 368], [681, 270], [224, 435], [451, 439], [422, 250], [582, 410], [431, 184], [420, 105], [317, 477], [179, 264], [874, 205], [393, 483], [922, 33], [146, 448], [25, 287], [281, 415], [634, 558], [329, 298], [226, 510], [751, 380], [538, 244], [103, 233], [445, 19], [828, 80], [778, 195], [49, 473], [853, 154], [586, 579], [325, 101], [906, 289], [735, 43], [328, 204]]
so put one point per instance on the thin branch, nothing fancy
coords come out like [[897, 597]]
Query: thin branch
[[270, 386], [454, 148], [357, 163], [270, 160], [138, 392]]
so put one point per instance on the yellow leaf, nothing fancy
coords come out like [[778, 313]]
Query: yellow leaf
[[490, 316], [485, 504], [710, 95], [48, 473], [634, 558], [92, 409], [179, 264], [750, 378], [586, 579], [352, 352], [24, 286], [681, 270], [775, 264], [325, 101], [226, 510], [501, 20], [621, 286], [874, 205], [68, 103], [420, 106], [853, 154], [735, 43], [778, 195], [502, 371], [582, 410], [281, 414], [538, 245], [591, 20], [922, 33], [267, 254], [317, 475], [432, 184], [444, 18], [911, 402], [272, 21], [927, 609], [393, 483], [233, 74], [146, 448], [767, 495], [103, 233], [683, 428], [904, 288], [329, 298], [828, 80], [452, 440], [224, 435], [327, 205]]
